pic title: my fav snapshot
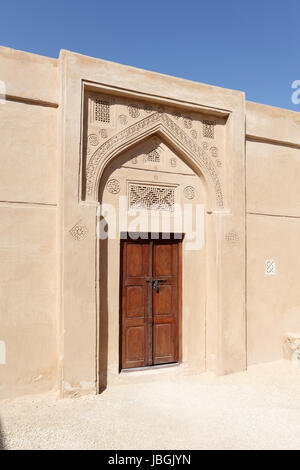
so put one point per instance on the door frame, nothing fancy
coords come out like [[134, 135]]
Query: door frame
[[79, 276], [148, 236]]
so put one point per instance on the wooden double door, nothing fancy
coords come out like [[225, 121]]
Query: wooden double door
[[150, 302]]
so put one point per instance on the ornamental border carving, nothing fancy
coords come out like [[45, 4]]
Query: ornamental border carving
[[199, 154]]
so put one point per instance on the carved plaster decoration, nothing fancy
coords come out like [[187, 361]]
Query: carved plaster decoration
[[173, 162], [133, 111], [148, 109], [194, 134], [189, 192], [93, 139], [160, 109], [176, 114], [103, 133], [232, 237], [113, 186], [100, 111], [152, 157], [214, 151], [155, 121], [79, 232], [187, 122], [219, 163], [151, 197], [123, 119], [134, 160], [208, 128]]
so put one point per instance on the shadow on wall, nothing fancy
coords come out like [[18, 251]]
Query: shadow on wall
[[103, 324], [2, 441]]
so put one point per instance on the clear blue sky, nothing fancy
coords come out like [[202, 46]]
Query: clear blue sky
[[246, 45]]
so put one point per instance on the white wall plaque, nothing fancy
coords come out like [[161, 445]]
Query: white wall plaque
[[270, 267]]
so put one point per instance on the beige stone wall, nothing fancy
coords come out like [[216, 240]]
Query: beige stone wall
[[28, 214], [273, 229], [50, 176]]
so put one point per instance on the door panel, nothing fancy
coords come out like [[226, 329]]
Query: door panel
[[163, 260], [150, 302], [136, 301], [135, 345], [135, 258], [163, 343], [165, 302], [135, 264]]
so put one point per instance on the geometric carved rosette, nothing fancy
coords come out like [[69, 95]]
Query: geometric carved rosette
[[79, 231]]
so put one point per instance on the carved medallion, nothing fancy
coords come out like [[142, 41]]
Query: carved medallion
[[189, 192], [79, 232], [103, 133], [113, 186], [214, 151], [187, 123], [123, 119], [133, 111], [173, 162], [93, 139]]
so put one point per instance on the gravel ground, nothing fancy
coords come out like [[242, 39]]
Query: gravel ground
[[257, 409]]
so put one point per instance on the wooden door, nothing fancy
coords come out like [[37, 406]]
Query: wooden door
[[165, 302], [150, 300]]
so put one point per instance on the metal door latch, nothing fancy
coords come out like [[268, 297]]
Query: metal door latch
[[155, 283]]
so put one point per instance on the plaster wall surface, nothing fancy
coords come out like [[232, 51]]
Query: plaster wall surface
[[273, 300], [28, 299], [271, 123], [273, 172], [28, 214], [273, 229], [28, 153], [29, 76]]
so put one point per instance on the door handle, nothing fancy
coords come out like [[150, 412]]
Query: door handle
[[155, 283]]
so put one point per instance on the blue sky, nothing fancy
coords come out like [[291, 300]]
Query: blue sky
[[246, 45]]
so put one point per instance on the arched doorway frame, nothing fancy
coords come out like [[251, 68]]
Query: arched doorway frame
[[77, 303], [160, 124], [108, 315]]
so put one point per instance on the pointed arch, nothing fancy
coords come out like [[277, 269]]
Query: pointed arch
[[160, 123]]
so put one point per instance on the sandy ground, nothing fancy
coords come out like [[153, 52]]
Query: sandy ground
[[257, 409]]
